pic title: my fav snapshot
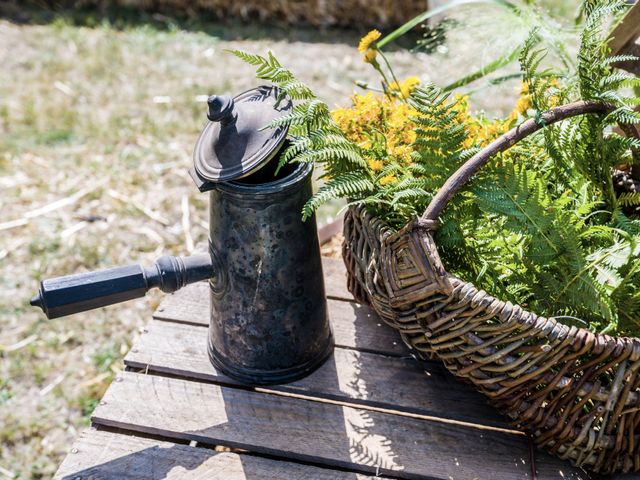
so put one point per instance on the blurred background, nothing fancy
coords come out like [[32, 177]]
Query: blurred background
[[100, 106]]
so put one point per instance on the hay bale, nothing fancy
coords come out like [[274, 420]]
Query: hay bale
[[318, 13]]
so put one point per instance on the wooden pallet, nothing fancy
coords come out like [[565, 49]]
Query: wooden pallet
[[370, 410]]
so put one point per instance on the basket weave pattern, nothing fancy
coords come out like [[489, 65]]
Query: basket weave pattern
[[577, 393]]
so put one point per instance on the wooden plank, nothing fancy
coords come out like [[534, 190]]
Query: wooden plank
[[349, 376], [335, 279], [316, 432], [330, 230], [354, 325], [104, 455], [627, 30]]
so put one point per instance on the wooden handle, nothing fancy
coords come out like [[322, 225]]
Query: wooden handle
[[504, 142], [85, 291]]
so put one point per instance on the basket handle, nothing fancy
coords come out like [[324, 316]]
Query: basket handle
[[461, 176]]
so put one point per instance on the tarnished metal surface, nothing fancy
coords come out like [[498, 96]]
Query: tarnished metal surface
[[268, 309], [234, 142]]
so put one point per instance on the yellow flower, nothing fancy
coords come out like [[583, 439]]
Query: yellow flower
[[379, 125], [408, 85], [375, 165], [462, 100], [462, 106], [387, 179], [368, 41], [473, 134], [523, 104], [405, 88], [398, 117], [370, 56], [402, 152], [409, 136], [554, 86]]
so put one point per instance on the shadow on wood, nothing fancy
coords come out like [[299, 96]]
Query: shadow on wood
[[135, 458]]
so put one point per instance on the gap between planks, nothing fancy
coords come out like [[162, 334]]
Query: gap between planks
[[354, 326], [316, 432], [372, 381], [191, 307]]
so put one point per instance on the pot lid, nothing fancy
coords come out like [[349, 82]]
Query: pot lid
[[234, 142]]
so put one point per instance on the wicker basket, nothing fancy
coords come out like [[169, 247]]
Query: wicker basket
[[577, 393]]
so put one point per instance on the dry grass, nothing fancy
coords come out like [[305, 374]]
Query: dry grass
[[96, 131]]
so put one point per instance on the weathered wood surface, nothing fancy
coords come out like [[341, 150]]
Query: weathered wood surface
[[625, 39], [317, 432], [626, 31], [371, 408], [330, 230], [354, 326], [335, 279], [351, 376], [104, 455]]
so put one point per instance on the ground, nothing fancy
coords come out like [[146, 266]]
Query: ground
[[97, 127]]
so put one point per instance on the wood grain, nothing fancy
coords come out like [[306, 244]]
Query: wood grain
[[626, 31], [321, 433], [330, 230], [395, 383], [353, 325], [335, 279], [104, 455]]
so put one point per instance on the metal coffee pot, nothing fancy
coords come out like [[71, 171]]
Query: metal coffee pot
[[268, 321]]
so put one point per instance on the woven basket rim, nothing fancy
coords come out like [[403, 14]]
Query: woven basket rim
[[428, 222], [527, 317]]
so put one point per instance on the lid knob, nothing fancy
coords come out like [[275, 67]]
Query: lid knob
[[221, 109], [238, 139]]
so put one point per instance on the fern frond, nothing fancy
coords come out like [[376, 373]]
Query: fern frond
[[410, 193], [621, 58], [629, 199], [347, 185], [623, 115], [249, 58], [328, 153]]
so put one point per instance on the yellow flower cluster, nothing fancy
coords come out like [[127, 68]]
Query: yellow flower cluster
[[382, 127], [375, 165], [368, 47], [405, 88], [480, 130], [523, 104], [387, 179]]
